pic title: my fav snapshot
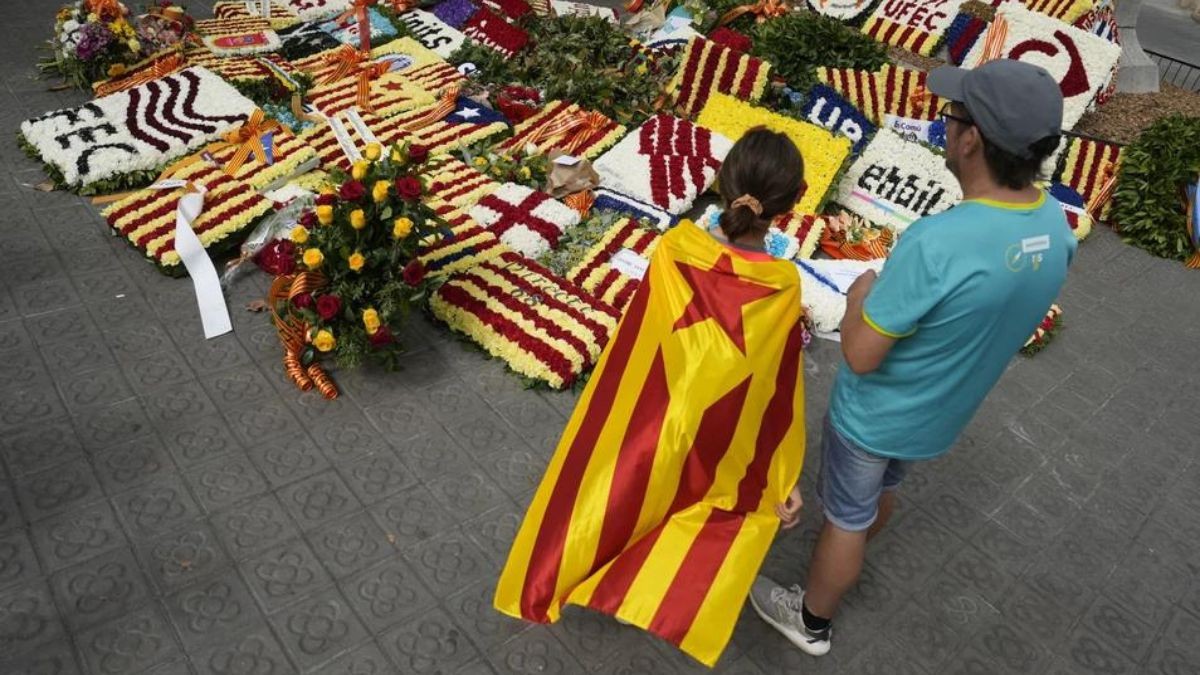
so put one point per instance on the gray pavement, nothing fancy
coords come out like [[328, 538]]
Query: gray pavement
[[171, 505]]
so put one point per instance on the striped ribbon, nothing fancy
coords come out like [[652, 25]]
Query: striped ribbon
[[293, 331], [993, 42], [572, 131], [580, 202], [763, 10], [248, 139], [446, 104], [159, 69], [344, 61]]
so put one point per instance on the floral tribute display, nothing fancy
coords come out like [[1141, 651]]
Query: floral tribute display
[[708, 67], [1090, 167], [464, 246], [849, 237], [603, 271], [1074, 209], [146, 218], [1068, 11], [1045, 332], [95, 40], [386, 94], [667, 162], [526, 220], [607, 200], [493, 31], [545, 328], [1081, 62], [843, 10], [566, 127], [824, 154], [433, 33], [275, 154], [280, 16], [349, 271], [240, 36], [915, 26], [457, 183], [124, 139], [308, 10], [891, 90], [806, 228], [962, 36], [827, 109], [895, 182]]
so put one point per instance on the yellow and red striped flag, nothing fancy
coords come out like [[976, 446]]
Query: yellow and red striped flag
[[658, 505]]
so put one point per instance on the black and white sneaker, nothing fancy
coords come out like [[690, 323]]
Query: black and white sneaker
[[780, 607]]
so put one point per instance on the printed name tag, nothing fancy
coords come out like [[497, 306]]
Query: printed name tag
[[629, 263], [1035, 244], [910, 129]]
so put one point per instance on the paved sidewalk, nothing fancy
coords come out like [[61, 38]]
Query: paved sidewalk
[[172, 505]]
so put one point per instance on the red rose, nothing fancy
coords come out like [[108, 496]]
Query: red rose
[[303, 301], [325, 200], [382, 338], [278, 257], [308, 219], [352, 191], [414, 272], [731, 39], [328, 306], [408, 188], [418, 153]]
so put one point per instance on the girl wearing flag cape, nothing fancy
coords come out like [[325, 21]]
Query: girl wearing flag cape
[[680, 460]]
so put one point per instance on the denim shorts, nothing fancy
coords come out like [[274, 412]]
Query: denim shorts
[[851, 480]]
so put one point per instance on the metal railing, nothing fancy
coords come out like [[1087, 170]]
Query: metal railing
[[1179, 73]]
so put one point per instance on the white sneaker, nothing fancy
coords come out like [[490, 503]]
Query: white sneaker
[[780, 607]]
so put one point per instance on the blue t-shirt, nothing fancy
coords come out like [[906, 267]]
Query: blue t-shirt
[[962, 292]]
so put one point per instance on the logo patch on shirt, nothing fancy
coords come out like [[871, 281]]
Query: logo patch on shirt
[[1035, 244]]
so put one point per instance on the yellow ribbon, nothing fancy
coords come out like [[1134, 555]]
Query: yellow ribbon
[[763, 10], [344, 60], [437, 113], [571, 131]]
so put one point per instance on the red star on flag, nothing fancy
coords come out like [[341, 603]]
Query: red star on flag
[[719, 294]]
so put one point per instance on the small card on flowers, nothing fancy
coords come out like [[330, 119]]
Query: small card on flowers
[[124, 138], [609, 271], [1080, 61], [239, 36], [526, 220], [544, 327], [915, 26], [566, 127], [895, 182], [824, 154], [146, 219], [666, 162], [707, 68]]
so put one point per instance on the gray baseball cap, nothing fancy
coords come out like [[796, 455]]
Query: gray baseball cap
[[1014, 104]]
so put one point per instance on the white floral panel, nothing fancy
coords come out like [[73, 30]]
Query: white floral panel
[[139, 129], [310, 10], [667, 162], [1080, 61], [526, 220], [895, 182]]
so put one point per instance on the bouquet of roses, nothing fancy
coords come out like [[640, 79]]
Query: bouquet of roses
[[349, 273], [527, 168], [97, 39]]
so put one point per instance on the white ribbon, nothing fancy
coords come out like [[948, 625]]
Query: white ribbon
[[214, 314]]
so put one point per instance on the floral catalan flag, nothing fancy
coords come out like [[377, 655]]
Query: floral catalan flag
[[658, 505]]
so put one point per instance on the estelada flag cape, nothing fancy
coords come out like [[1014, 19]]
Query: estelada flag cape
[[658, 505]]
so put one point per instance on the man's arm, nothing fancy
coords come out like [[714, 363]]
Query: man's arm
[[863, 345]]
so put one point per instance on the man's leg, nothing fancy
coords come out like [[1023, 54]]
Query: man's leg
[[887, 504], [836, 563]]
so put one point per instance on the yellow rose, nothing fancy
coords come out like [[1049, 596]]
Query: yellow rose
[[324, 341], [359, 170], [641, 69], [93, 18], [525, 173], [480, 162], [380, 192], [401, 227], [116, 70], [328, 190], [358, 219], [373, 151], [371, 321], [396, 156], [325, 214], [135, 46], [313, 258], [357, 260], [300, 234]]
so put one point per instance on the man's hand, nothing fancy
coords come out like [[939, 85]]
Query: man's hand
[[789, 511]]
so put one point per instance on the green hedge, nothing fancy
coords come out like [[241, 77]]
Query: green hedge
[[1147, 204]]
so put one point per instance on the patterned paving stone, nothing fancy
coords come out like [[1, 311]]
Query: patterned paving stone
[[52, 658], [130, 644], [253, 526], [284, 574], [211, 607], [200, 440], [288, 459], [387, 594], [429, 644], [157, 507], [377, 476], [183, 556], [368, 659], [133, 463], [28, 618], [39, 447], [100, 588], [59, 489], [318, 629], [449, 562], [225, 481], [78, 535], [246, 652]]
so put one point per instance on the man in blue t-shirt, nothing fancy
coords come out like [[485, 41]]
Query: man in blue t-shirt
[[927, 340]]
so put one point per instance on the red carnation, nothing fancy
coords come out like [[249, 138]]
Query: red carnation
[[328, 306], [303, 301], [418, 153], [352, 191], [408, 188], [731, 38], [325, 200], [277, 257], [414, 272], [308, 219], [382, 338]]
